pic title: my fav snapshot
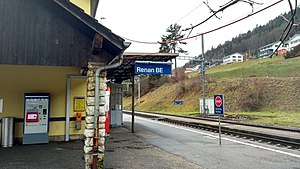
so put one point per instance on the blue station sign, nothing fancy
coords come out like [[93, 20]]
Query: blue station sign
[[144, 67], [176, 102], [219, 104]]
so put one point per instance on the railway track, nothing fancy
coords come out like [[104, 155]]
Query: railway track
[[279, 136]]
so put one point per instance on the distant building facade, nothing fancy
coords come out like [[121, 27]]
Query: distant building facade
[[215, 62], [267, 50], [236, 57], [188, 70], [292, 42]]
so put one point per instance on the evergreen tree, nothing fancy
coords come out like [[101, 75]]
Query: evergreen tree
[[170, 43]]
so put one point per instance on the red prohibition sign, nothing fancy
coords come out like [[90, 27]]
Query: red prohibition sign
[[218, 101]]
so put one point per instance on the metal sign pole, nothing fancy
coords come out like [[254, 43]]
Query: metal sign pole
[[132, 106], [139, 90], [219, 130], [203, 76], [219, 110]]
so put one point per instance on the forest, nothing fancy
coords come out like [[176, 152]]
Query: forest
[[249, 43]]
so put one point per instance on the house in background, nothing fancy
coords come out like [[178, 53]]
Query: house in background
[[292, 42], [215, 62], [188, 70], [236, 57], [267, 50]]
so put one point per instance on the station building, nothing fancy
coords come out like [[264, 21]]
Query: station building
[[43, 45], [47, 49]]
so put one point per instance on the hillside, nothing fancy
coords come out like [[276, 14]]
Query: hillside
[[267, 85], [248, 43]]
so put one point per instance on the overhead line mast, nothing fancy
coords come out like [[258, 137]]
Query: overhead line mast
[[202, 69]]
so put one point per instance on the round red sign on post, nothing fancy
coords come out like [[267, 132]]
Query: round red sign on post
[[218, 101]]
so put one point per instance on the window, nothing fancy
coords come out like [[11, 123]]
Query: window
[[239, 56], [233, 56]]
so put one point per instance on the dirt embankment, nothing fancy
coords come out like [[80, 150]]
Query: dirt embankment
[[281, 94], [241, 94]]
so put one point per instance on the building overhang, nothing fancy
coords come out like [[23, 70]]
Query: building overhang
[[126, 70]]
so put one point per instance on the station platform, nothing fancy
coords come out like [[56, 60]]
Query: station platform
[[125, 150], [54, 155]]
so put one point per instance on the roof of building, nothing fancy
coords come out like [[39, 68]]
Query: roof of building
[[112, 42], [292, 38], [125, 71], [270, 44]]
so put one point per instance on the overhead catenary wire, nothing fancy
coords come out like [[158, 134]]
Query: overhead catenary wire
[[288, 28], [210, 31], [190, 12], [223, 7]]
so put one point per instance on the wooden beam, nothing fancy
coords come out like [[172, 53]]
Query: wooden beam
[[97, 44]]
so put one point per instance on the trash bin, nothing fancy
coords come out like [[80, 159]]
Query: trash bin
[[7, 131]]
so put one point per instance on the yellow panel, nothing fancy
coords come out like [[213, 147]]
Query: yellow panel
[[17, 80], [78, 89], [83, 4], [58, 128]]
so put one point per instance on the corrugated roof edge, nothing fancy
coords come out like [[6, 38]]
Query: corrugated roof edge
[[92, 23]]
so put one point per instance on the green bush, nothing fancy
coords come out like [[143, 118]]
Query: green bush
[[294, 53]]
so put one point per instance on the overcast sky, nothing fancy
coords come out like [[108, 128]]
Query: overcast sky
[[147, 20]]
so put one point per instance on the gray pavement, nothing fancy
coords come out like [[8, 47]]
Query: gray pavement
[[123, 150], [202, 147], [126, 150], [58, 155]]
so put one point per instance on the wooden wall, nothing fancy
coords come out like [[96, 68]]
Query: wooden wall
[[39, 32]]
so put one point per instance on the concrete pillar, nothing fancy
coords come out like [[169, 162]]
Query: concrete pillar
[[89, 129]]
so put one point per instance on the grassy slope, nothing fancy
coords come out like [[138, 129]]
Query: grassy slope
[[276, 67], [277, 80]]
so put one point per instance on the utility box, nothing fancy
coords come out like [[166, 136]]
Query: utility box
[[7, 131], [78, 121], [209, 106], [116, 107], [36, 118]]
